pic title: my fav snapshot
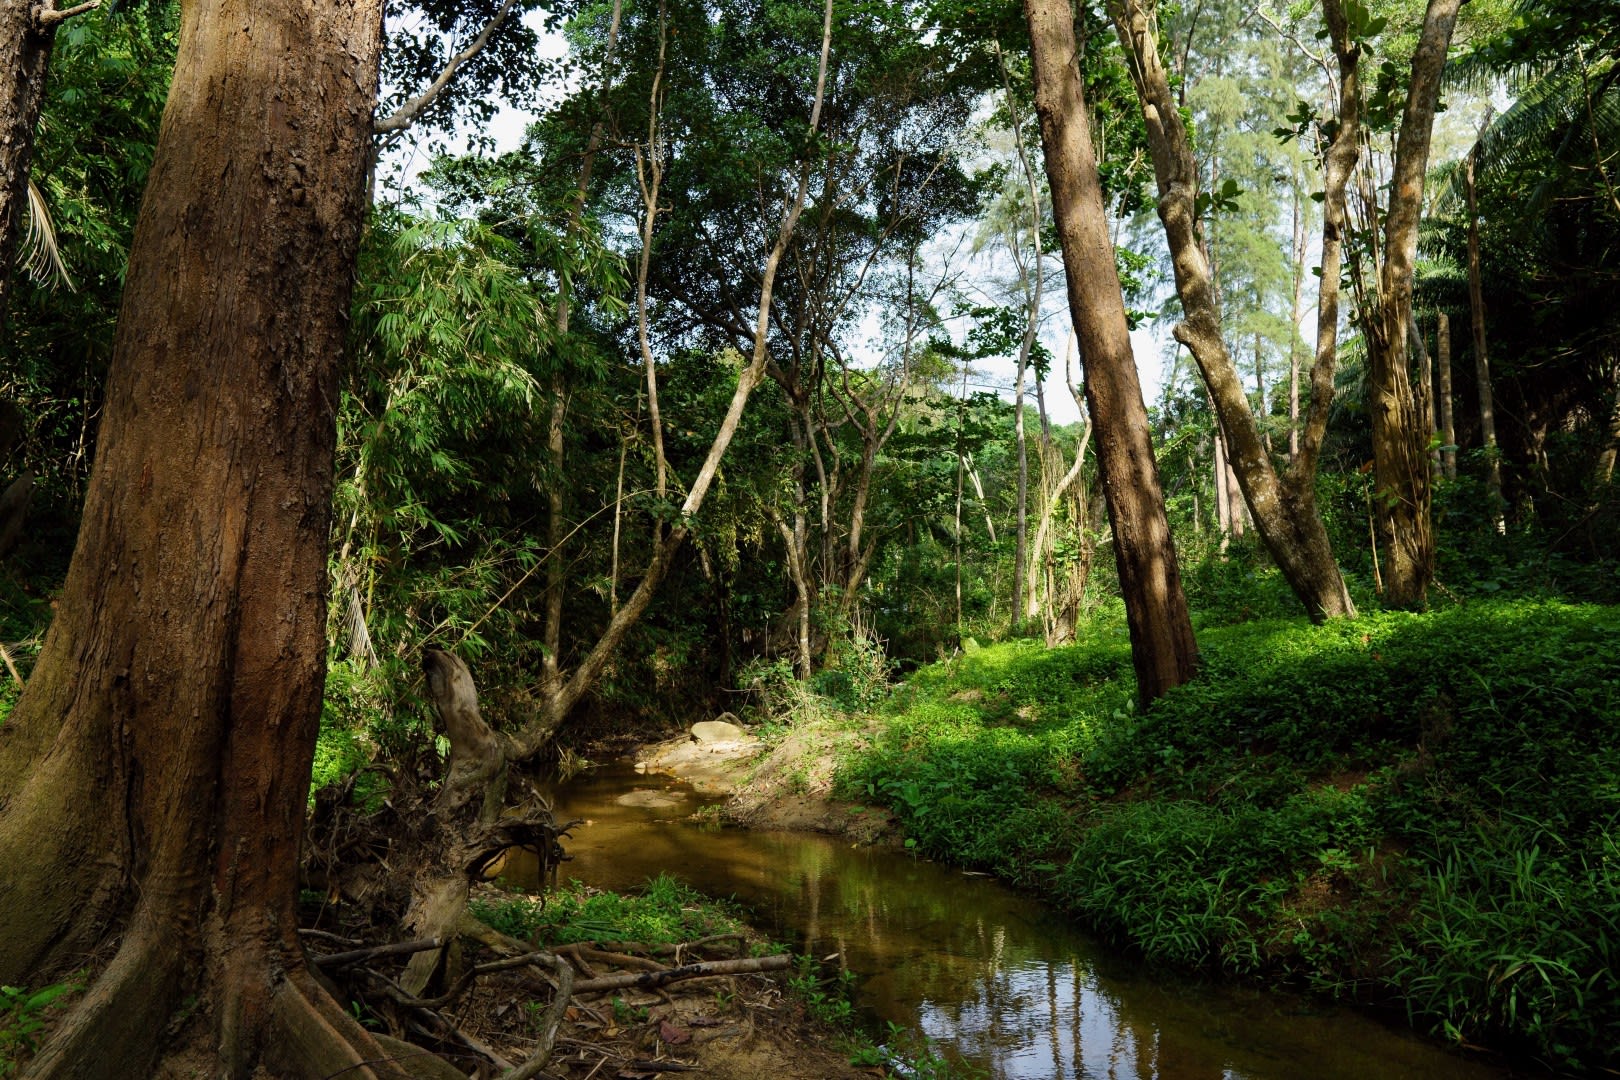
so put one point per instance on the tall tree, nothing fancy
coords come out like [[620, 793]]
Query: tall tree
[[1482, 365], [155, 770], [1163, 649], [1400, 444], [1284, 511]]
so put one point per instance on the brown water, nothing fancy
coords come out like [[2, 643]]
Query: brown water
[[989, 975]]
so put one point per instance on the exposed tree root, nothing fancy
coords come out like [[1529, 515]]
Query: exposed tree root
[[647, 980], [313, 1038], [120, 1018]]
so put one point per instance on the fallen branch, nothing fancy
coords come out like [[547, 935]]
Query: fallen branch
[[617, 959], [668, 950], [397, 948], [550, 1025], [650, 979], [644, 1065]]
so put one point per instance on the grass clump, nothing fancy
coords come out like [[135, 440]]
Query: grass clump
[[665, 912], [1404, 807]]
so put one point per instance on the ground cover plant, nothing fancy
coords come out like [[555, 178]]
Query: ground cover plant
[[1418, 810]]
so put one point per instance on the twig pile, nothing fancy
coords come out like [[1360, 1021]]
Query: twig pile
[[581, 1009]]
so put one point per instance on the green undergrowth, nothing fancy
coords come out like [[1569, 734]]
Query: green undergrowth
[[1418, 810], [664, 912]]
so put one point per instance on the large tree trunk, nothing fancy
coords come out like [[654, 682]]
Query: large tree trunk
[[1163, 649], [1284, 515], [153, 776], [1400, 465]]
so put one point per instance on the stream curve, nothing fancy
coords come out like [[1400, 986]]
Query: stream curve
[[990, 976]]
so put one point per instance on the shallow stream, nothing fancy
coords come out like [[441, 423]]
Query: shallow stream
[[989, 975]]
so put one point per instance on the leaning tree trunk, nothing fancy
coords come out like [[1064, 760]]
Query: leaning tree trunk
[[1163, 648], [153, 775], [1285, 515]]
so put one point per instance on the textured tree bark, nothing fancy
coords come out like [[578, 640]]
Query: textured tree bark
[[1400, 468], [1163, 649], [153, 775], [1284, 513]]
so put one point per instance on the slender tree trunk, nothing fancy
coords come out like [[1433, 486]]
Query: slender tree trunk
[[1285, 515], [1236, 511], [1603, 466], [1163, 649], [154, 772], [1296, 312], [1448, 419], [1427, 409], [1482, 365], [556, 423], [556, 531], [27, 33], [1399, 446], [961, 470], [1021, 511], [1223, 496]]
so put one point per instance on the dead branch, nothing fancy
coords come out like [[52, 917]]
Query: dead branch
[[10, 665], [649, 979], [646, 1065], [619, 959], [550, 1025], [397, 948], [46, 16]]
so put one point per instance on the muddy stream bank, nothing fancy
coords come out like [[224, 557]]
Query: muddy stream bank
[[989, 975]]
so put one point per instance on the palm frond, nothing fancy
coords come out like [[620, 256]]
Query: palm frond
[[43, 255]]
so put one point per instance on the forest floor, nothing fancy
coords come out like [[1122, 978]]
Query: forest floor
[[738, 1027], [634, 1013]]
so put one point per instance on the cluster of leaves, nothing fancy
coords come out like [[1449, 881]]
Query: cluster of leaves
[[22, 1018]]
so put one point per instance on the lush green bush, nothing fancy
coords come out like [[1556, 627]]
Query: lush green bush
[[1515, 935]]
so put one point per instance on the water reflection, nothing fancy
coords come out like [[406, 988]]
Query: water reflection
[[989, 975]]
